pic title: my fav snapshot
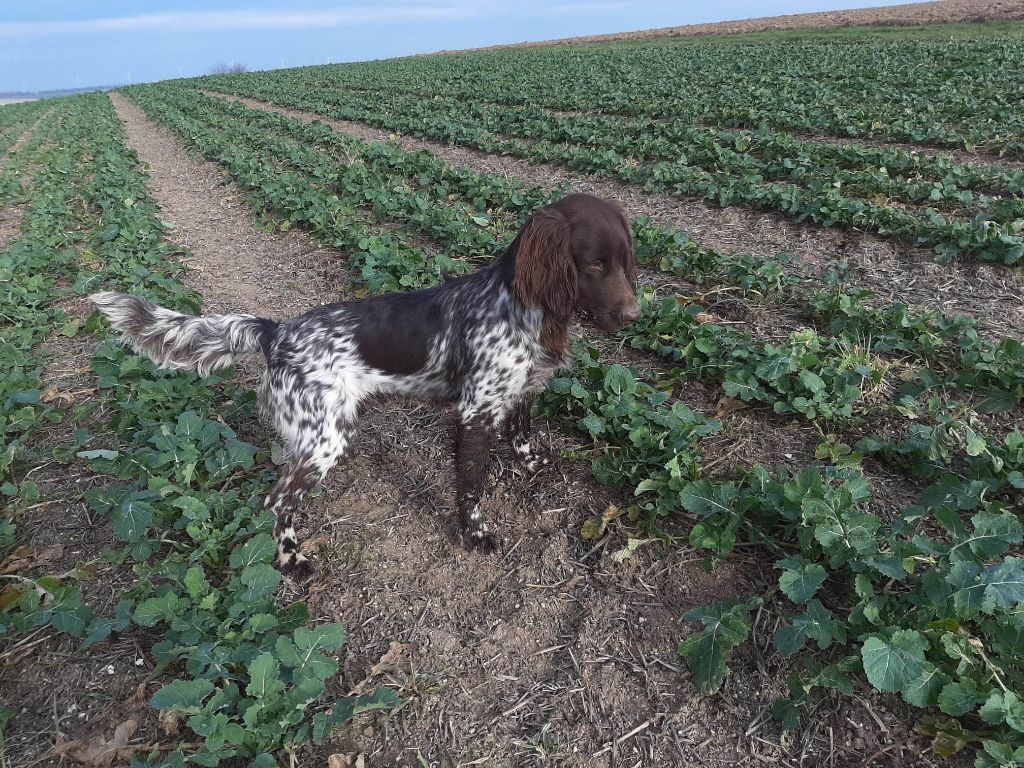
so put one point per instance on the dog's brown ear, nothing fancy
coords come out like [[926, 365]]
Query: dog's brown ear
[[627, 229], [545, 271]]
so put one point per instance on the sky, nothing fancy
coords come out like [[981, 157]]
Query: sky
[[51, 44]]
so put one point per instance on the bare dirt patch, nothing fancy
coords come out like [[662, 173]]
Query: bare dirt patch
[[992, 294], [10, 224], [910, 14]]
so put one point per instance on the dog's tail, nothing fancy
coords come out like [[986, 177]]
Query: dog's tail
[[173, 340]]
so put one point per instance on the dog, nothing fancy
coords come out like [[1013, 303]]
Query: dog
[[485, 342]]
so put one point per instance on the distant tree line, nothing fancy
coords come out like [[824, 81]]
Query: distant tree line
[[228, 69]]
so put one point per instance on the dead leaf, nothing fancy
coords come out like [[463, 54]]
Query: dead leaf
[[28, 556], [395, 655], [10, 595], [54, 394], [707, 317], [97, 752], [315, 544], [595, 526], [351, 760], [170, 720], [727, 406]]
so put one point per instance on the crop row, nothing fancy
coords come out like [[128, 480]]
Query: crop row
[[15, 119], [729, 176], [864, 171], [12, 170], [866, 88]]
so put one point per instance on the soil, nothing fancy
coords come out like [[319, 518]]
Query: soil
[[10, 224], [909, 14], [992, 294]]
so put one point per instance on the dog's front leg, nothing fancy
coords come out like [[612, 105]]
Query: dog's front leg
[[517, 432], [474, 437]]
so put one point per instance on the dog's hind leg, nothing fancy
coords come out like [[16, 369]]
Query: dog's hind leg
[[309, 460]]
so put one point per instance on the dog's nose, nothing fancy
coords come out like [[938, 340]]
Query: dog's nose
[[631, 313]]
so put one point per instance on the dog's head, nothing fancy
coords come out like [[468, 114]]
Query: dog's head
[[576, 256]]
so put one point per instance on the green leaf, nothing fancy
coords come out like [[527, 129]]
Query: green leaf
[[154, 609], [1003, 707], [1004, 585], [812, 381], [67, 613], [328, 636], [350, 706], [264, 682], [893, 664], [800, 579], [997, 401], [262, 622], [726, 625], [993, 534], [960, 697], [965, 575], [261, 548], [996, 754], [618, 380], [196, 583], [924, 690], [816, 623], [302, 650], [182, 695], [593, 424], [261, 580], [131, 520], [702, 498], [742, 385]]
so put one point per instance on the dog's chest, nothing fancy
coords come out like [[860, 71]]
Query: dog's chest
[[511, 365]]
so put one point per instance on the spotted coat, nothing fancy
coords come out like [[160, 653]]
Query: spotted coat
[[485, 342]]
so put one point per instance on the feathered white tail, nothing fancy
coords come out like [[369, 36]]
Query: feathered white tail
[[173, 340]]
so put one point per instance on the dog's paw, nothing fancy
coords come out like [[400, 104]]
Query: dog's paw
[[536, 462], [530, 458], [296, 566], [484, 542]]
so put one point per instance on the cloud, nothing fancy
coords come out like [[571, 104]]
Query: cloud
[[217, 21]]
